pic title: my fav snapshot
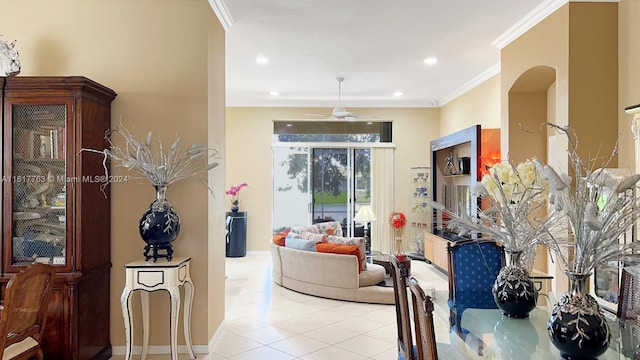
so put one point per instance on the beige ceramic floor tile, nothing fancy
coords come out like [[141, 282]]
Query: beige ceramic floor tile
[[333, 353], [328, 316], [358, 325], [300, 325], [389, 354], [234, 345], [387, 333], [299, 345], [365, 345], [269, 334], [241, 326], [263, 353], [331, 334]]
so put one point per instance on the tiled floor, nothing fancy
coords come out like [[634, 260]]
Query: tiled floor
[[267, 322]]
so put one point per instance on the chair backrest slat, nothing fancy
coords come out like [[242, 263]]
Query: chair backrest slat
[[423, 322]]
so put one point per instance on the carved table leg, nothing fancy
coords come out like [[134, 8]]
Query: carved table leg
[[174, 293], [144, 301], [188, 290], [125, 303]]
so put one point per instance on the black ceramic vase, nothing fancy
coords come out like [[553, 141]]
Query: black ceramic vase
[[577, 327], [159, 227], [513, 291]]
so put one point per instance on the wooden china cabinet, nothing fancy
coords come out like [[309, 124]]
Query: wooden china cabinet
[[53, 208]]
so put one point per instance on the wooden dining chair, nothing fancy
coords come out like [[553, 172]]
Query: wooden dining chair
[[629, 311], [427, 347], [629, 298], [23, 316], [406, 350], [423, 322]]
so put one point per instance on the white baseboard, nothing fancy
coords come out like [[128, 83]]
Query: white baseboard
[[160, 349], [166, 349]]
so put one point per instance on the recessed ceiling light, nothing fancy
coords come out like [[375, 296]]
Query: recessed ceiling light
[[430, 61], [261, 60], [274, 93], [289, 125], [398, 93]]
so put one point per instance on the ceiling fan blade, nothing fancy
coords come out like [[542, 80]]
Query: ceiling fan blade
[[339, 112], [316, 115]]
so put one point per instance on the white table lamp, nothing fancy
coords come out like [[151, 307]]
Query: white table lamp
[[365, 215]]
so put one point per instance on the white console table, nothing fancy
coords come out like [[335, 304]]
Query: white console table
[[151, 276]]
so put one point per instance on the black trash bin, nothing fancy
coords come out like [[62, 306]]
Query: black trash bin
[[236, 234]]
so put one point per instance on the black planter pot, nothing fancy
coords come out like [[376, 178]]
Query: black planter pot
[[513, 291], [577, 327], [159, 227]]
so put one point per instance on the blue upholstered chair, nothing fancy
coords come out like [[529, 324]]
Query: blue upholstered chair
[[473, 268]]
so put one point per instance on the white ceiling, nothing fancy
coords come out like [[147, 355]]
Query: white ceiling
[[378, 46]]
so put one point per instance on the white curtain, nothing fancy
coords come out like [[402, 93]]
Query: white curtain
[[383, 195]]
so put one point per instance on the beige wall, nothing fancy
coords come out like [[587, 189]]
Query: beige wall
[[154, 54], [545, 44], [629, 75], [593, 78], [249, 159], [480, 105], [579, 41], [216, 133]]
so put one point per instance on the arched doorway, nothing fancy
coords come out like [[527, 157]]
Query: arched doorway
[[531, 105]]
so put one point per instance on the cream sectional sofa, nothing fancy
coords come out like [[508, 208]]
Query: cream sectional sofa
[[329, 275]]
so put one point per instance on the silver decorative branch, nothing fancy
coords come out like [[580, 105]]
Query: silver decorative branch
[[159, 167]]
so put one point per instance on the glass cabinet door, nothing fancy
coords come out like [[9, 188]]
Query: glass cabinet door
[[37, 184]]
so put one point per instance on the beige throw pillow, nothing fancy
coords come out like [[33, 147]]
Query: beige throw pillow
[[330, 228], [362, 246]]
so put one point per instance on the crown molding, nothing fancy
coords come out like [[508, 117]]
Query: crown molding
[[532, 19], [222, 12], [484, 76], [527, 22]]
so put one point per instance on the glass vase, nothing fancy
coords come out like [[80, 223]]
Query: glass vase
[[513, 291], [577, 327]]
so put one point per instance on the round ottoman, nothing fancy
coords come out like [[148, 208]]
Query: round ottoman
[[372, 276]]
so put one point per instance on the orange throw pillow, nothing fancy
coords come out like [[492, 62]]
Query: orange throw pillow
[[340, 249], [278, 238]]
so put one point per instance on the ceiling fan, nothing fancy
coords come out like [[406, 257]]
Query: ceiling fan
[[339, 112]]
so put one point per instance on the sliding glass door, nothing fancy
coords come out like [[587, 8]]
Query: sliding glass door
[[331, 193], [320, 184], [291, 188]]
